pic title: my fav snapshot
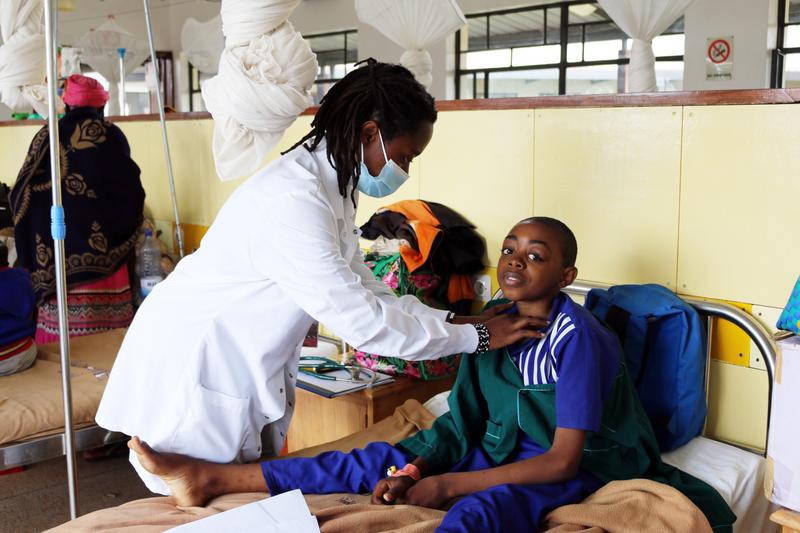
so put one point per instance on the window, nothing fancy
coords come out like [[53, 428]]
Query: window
[[786, 56], [196, 102], [561, 48], [337, 52], [140, 98]]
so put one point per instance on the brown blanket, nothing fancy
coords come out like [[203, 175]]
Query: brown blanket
[[633, 506], [638, 505], [30, 402]]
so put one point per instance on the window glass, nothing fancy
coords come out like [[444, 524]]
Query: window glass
[[791, 37], [668, 45], [669, 75], [536, 55], [467, 87], [502, 48], [595, 79], [554, 25], [791, 72], [519, 83], [575, 44], [793, 11], [476, 34], [488, 59], [337, 54], [516, 29]]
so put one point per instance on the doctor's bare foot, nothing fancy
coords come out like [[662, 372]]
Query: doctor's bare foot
[[193, 481]]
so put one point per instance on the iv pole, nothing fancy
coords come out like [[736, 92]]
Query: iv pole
[[121, 52], [59, 230], [160, 99]]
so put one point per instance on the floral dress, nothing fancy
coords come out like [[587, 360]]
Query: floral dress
[[428, 288]]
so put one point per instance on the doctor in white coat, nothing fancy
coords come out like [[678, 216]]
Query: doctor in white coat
[[212, 355]]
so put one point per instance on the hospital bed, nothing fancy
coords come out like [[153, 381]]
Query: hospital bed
[[735, 472], [31, 405]]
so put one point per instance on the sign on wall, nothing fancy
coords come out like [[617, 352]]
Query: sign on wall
[[719, 58]]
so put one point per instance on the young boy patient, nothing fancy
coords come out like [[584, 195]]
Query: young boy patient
[[531, 428]]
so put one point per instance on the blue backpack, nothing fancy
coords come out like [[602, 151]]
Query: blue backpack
[[665, 352]]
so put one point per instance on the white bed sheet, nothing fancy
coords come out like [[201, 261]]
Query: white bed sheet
[[736, 474]]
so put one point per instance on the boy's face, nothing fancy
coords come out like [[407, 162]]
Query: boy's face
[[531, 264]]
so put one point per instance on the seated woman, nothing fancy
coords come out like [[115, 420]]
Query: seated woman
[[17, 321], [531, 428], [103, 201]]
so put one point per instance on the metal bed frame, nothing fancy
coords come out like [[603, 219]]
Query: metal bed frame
[[53, 446]]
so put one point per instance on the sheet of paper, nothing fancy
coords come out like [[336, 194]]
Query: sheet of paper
[[285, 513]]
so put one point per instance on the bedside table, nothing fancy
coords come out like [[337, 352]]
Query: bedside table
[[788, 520], [318, 419]]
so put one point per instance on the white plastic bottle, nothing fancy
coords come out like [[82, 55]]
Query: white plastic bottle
[[148, 257]]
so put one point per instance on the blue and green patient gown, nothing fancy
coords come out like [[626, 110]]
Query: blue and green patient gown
[[504, 407]]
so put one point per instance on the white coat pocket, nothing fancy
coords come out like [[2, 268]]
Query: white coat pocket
[[214, 426]]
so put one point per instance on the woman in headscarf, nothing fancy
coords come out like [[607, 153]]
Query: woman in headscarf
[[103, 203]]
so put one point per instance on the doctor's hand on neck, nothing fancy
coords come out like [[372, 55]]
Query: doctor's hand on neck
[[505, 330]]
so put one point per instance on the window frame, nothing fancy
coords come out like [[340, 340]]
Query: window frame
[[344, 33], [563, 65], [780, 51]]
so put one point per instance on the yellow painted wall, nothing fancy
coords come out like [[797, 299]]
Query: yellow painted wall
[[613, 176], [739, 200], [700, 199], [14, 142], [481, 164]]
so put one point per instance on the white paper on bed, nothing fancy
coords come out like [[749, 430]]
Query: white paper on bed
[[285, 513]]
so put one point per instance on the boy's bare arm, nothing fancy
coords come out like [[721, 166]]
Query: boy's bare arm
[[560, 463]]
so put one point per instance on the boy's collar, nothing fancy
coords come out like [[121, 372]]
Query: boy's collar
[[555, 308]]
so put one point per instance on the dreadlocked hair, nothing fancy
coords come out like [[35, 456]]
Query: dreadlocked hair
[[385, 93]]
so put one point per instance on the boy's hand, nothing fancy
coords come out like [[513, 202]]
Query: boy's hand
[[508, 329], [389, 489], [432, 492]]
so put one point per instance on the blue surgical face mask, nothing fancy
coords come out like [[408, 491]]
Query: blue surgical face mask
[[388, 180]]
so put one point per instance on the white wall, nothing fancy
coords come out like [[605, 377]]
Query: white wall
[[750, 22]]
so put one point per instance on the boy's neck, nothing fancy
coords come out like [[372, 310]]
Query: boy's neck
[[536, 308]]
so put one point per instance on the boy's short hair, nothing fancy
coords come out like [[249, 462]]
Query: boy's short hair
[[3, 254], [567, 241]]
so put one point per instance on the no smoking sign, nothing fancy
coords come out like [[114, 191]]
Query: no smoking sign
[[719, 58], [719, 51]]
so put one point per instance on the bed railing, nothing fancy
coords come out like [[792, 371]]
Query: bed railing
[[757, 333], [53, 446]]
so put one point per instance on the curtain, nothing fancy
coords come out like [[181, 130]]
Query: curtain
[[643, 20], [100, 50], [203, 42], [167, 71], [70, 61], [22, 58], [415, 25], [263, 83]]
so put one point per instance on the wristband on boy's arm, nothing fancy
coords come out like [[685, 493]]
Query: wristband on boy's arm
[[409, 470], [483, 338]]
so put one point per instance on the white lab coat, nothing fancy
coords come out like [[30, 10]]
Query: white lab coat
[[212, 354]]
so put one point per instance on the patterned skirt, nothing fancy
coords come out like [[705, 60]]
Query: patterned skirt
[[91, 308]]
